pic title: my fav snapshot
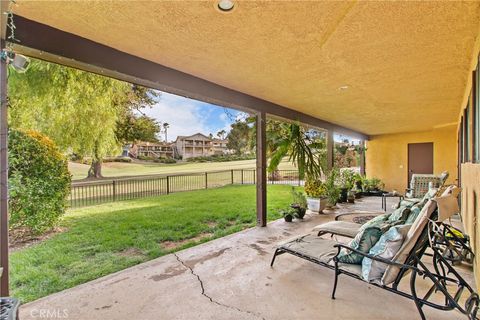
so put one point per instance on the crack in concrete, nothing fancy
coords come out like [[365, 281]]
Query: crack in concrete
[[210, 298]]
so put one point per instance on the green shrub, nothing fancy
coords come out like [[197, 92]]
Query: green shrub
[[118, 159], [165, 160], [145, 158], [221, 158], [39, 182]]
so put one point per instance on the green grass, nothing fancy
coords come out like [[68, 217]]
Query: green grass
[[107, 238], [116, 169]]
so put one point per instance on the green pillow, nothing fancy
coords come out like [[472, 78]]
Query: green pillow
[[378, 222], [401, 213], [414, 214], [363, 241], [415, 210]]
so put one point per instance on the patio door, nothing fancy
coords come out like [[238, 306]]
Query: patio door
[[420, 159]]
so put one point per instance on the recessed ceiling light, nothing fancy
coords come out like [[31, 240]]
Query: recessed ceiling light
[[225, 5], [342, 88]]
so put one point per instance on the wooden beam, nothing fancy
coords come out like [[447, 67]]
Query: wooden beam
[[4, 280], [261, 169], [54, 45], [330, 150]]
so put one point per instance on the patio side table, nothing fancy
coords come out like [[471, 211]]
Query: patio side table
[[389, 195]]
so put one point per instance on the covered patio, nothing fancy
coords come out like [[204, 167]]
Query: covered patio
[[231, 278]]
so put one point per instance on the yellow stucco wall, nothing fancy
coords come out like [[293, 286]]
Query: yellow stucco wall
[[387, 155]]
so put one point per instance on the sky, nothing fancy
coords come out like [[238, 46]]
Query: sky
[[187, 116]]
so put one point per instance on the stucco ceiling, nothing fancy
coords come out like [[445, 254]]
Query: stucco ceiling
[[406, 64]]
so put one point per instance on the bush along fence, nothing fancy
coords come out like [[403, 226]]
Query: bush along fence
[[96, 192]]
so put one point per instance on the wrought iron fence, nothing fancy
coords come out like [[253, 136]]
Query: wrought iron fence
[[102, 191]]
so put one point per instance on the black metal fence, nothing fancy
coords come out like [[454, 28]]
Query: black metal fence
[[103, 191]]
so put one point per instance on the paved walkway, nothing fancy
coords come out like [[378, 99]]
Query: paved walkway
[[230, 278]]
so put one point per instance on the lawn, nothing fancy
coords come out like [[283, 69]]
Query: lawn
[[116, 169], [107, 238]]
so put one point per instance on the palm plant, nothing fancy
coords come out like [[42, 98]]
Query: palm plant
[[290, 139]]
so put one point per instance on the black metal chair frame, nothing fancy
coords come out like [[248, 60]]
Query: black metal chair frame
[[443, 274]]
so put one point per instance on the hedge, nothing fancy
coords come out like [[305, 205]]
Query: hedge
[[39, 181]]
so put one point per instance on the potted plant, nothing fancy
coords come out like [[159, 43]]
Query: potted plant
[[288, 214], [332, 191], [316, 197], [358, 187], [358, 181], [351, 195], [373, 187], [299, 203], [347, 181]]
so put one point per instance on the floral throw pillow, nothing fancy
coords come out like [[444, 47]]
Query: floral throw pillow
[[363, 241]]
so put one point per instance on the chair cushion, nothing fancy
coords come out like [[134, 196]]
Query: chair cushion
[[356, 269], [386, 248], [312, 246], [341, 228], [363, 241]]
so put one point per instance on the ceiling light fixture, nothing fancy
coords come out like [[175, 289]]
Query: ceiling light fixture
[[343, 88], [226, 5]]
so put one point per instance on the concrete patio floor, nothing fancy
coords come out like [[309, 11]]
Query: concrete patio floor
[[230, 278]]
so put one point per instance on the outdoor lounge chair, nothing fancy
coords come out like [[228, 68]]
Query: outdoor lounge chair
[[407, 261], [421, 183], [350, 229]]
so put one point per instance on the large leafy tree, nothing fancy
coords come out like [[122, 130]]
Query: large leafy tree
[[80, 111], [133, 128], [239, 137]]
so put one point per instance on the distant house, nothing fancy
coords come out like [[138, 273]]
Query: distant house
[[152, 149], [220, 146], [197, 145]]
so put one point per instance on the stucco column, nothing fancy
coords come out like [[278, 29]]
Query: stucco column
[[261, 170], [362, 157], [330, 145]]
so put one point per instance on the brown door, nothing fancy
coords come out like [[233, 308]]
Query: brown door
[[420, 159]]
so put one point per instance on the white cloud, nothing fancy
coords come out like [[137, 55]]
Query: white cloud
[[186, 116]]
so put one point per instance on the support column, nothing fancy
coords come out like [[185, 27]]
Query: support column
[[362, 158], [261, 170], [330, 146], [4, 287]]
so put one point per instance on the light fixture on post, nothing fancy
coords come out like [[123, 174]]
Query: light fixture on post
[[225, 5], [19, 62]]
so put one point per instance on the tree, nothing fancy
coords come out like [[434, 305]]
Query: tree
[[239, 137], [166, 125], [221, 134], [78, 110], [134, 128], [300, 145]]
